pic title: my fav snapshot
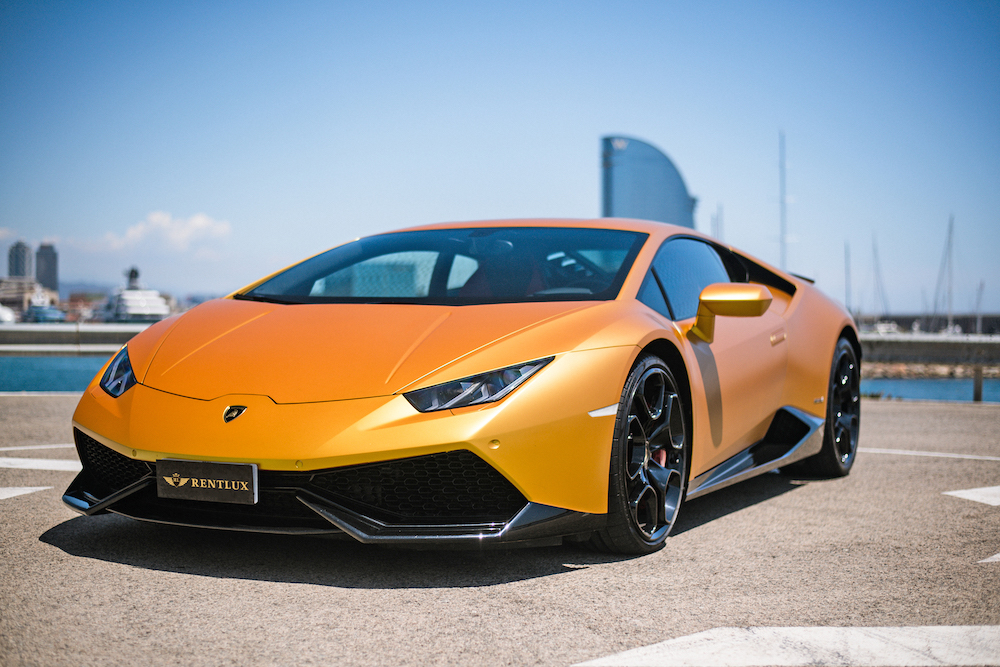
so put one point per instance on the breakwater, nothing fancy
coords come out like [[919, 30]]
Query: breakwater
[[73, 339]]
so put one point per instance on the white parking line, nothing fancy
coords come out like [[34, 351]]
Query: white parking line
[[14, 449], [40, 464], [942, 455], [14, 491], [793, 647], [991, 559], [989, 495]]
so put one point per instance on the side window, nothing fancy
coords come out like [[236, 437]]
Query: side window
[[758, 274], [685, 267], [650, 294]]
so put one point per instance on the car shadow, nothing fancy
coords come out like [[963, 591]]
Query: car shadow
[[344, 563], [320, 561], [705, 509]]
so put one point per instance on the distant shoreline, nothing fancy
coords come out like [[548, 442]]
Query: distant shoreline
[[878, 369]]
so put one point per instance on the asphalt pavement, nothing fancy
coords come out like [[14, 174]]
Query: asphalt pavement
[[891, 546]]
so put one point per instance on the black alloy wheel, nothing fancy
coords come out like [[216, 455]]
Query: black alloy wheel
[[649, 462]]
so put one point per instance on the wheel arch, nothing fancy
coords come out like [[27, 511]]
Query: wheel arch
[[667, 351], [852, 337]]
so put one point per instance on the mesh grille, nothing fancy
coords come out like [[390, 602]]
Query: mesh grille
[[454, 487], [108, 470], [451, 487]]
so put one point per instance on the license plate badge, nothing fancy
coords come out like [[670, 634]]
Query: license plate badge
[[207, 481]]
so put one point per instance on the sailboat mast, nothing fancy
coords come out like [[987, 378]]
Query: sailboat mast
[[847, 275], [951, 270]]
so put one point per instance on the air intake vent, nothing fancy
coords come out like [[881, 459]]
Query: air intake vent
[[454, 487], [108, 470]]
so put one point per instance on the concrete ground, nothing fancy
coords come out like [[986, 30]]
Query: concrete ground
[[882, 547]]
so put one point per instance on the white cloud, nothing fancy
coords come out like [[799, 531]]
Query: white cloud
[[6, 233], [207, 255], [174, 254], [177, 234]]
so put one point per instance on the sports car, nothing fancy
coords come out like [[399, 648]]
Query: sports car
[[499, 382]]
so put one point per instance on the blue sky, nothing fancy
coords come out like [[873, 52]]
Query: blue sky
[[211, 143]]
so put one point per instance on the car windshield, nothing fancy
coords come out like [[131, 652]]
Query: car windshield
[[463, 266]]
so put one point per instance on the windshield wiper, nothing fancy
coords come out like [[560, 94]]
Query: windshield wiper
[[263, 298]]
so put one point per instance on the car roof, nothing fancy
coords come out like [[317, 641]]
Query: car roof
[[648, 226]]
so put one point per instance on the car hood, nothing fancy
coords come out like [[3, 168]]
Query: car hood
[[309, 353]]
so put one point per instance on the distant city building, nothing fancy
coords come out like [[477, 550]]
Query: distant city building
[[47, 267], [641, 182], [19, 263]]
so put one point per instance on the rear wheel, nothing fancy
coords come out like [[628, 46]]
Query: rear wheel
[[843, 417], [649, 459]]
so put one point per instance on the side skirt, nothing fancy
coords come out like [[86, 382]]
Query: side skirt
[[792, 436]]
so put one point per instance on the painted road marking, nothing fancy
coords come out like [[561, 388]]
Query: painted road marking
[[835, 647], [943, 455], [14, 449], [991, 559], [14, 491], [989, 495], [40, 464]]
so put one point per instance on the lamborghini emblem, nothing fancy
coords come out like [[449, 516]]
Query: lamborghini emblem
[[176, 480], [232, 412]]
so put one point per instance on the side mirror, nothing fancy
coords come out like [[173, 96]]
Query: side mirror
[[730, 300]]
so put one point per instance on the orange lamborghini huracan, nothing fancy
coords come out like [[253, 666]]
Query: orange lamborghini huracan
[[479, 383]]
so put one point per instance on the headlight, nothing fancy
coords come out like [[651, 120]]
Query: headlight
[[483, 388], [118, 378]]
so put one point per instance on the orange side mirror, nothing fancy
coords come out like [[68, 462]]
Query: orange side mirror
[[729, 300]]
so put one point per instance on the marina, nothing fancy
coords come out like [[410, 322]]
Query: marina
[[73, 373]]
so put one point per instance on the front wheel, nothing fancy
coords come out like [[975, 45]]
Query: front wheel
[[649, 461]]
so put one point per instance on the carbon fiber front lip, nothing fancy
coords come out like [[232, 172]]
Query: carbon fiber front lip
[[533, 522], [84, 502]]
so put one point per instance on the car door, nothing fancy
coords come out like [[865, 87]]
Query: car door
[[743, 368]]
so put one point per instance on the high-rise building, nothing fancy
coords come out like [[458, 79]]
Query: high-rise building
[[19, 264], [47, 266], [641, 182]]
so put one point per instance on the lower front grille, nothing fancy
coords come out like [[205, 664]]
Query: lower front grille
[[107, 470], [454, 487]]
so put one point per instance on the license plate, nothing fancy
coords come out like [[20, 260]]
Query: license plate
[[203, 480]]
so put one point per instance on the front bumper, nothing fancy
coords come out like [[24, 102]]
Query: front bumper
[[449, 498], [541, 437]]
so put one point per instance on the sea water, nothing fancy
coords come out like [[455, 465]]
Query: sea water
[[74, 373], [48, 373], [930, 389]]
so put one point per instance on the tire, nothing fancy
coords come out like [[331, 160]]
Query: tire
[[649, 462], [843, 417]]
